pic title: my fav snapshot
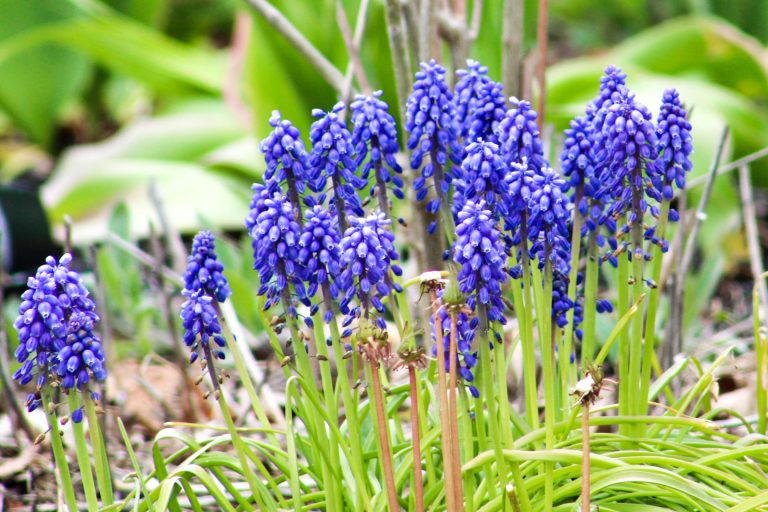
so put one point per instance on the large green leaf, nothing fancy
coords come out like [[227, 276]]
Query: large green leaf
[[126, 46], [37, 82], [173, 152]]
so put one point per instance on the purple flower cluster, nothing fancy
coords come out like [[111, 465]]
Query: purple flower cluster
[[201, 325], [204, 270], [286, 158], [548, 218], [674, 145], [55, 327], [275, 235], [367, 256], [332, 156], [374, 136], [433, 133], [319, 254], [481, 256], [480, 104], [483, 177], [519, 136]]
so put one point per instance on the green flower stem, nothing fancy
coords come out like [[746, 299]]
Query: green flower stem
[[481, 420], [653, 306], [357, 463], [623, 307], [382, 433], [230, 326], [529, 358], [467, 438], [567, 378], [544, 310], [81, 449], [101, 460], [442, 393], [418, 479], [330, 398], [305, 369], [636, 341], [59, 456], [590, 301], [498, 479], [761, 348], [529, 350], [237, 442]]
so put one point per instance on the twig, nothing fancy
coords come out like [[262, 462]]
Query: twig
[[362, 14], [512, 47], [411, 17], [386, 451], [171, 321], [353, 49], [173, 245], [143, 257], [400, 59], [750, 224], [757, 155], [585, 458], [474, 26], [543, 27], [428, 33], [676, 323], [280, 23]]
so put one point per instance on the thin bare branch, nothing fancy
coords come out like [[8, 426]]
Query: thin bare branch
[[676, 320], [753, 241], [512, 47], [280, 23], [757, 155], [231, 92], [474, 26], [352, 49], [400, 58]]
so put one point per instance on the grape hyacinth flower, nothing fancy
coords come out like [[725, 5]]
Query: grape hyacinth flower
[[82, 357], [201, 327], [260, 195], [367, 256], [578, 163], [275, 248], [483, 177], [548, 217], [480, 103], [519, 137], [55, 327], [611, 84], [482, 257], [332, 156], [319, 256], [674, 146], [286, 159], [204, 271], [625, 147], [466, 358], [374, 137], [433, 133]]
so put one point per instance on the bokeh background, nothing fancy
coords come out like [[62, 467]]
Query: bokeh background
[[120, 115]]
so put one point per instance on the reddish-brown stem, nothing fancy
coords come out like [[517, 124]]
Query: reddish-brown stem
[[418, 479], [453, 416], [445, 437], [386, 452], [585, 453]]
